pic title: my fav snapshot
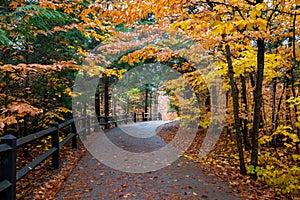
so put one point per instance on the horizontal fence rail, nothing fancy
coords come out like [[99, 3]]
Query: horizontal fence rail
[[9, 144]]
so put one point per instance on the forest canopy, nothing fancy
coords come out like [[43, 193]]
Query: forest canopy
[[254, 45]]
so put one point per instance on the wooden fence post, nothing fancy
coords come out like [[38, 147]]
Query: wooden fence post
[[96, 126], [88, 124], [134, 117], [126, 118], [9, 167], [106, 122], [83, 126], [159, 116], [74, 139], [143, 116], [115, 119], [55, 143]]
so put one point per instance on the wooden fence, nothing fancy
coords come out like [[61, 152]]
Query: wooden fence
[[9, 144]]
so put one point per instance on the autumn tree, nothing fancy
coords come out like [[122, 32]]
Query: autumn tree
[[37, 34]]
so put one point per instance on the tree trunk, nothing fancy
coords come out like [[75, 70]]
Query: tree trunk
[[257, 101], [106, 99], [287, 96], [245, 121], [226, 106], [274, 104], [278, 108], [235, 102], [97, 101], [146, 100]]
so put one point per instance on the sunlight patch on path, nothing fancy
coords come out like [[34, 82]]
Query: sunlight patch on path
[[143, 129]]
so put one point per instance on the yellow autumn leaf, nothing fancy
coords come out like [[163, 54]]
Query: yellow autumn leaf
[[296, 157], [256, 10], [173, 26], [58, 94], [184, 25], [262, 24], [259, 6], [82, 52], [230, 28], [241, 24], [218, 29]]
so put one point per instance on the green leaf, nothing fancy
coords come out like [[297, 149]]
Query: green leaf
[[251, 169], [4, 39]]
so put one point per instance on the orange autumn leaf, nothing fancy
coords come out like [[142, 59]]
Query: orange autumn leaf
[[14, 5]]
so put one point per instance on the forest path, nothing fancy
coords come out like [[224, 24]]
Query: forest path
[[183, 179]]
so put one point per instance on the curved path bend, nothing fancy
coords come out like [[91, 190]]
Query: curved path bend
[[183, 179]]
